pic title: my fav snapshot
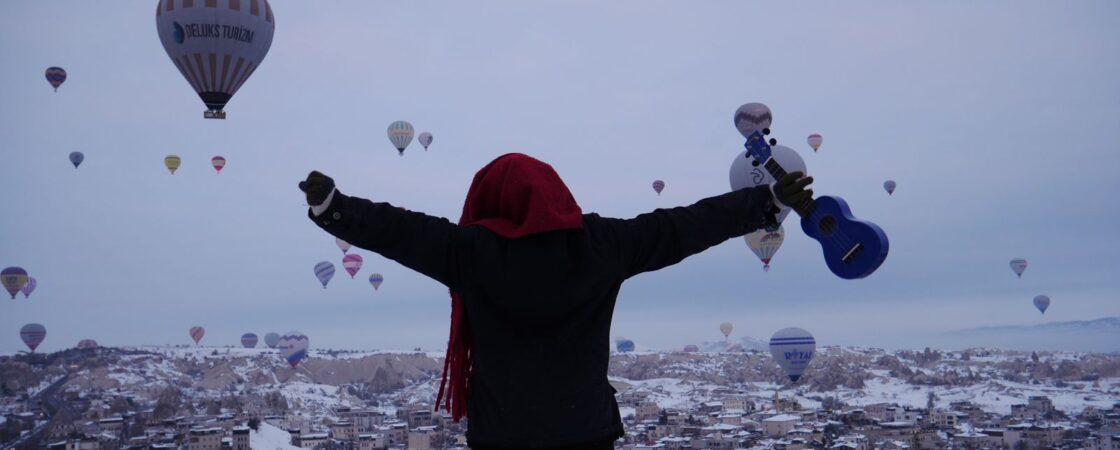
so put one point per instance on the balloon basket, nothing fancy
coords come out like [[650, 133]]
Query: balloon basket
[[214, 114]]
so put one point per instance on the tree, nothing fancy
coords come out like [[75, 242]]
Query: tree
[[255, 423]]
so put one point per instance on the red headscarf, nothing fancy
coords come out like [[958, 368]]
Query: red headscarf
[[513, 196]]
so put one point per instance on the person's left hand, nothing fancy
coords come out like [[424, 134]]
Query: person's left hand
[[317, 187], [791, 192]]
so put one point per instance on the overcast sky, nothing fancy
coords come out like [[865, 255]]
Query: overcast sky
[[998, 120]]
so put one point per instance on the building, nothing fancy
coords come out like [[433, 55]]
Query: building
[[372, 441], [240, 438], [779, 425], [311, 440], [425, 438], [205, 439]]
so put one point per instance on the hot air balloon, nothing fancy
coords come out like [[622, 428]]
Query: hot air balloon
[[744, 174], [352, 264], [375, 279], [793, 348], [1041, 302], [691, 349], [342, 245], [658, 185], [889, 185], [765, 243], [815, 141], [248, 340], [29, 287], [425, 139], [293, 347], [13, 279], [324, 271], [33, 335], [726, 328], [215, 45], [87, 344], [752, 117], [400, 134], [76, 158], [56, 76], [271, 339], [172, 162], [196, 333], [218, 162], [1019, 265], [625, 345]]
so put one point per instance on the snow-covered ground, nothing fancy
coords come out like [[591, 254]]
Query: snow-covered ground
[[269, 437]]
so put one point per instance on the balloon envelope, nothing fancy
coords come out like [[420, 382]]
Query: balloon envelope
[[691, 349], [726, 328], [342, 245], [86, 344], [13, 279], [752, 117], [215, 45], [197, 333], [248, 340], [29, 287], [324, 271], [425, 139], [293, 347], [793, 348], [625, 345], [744, 174], [658, 185], [400, 134], [76, 158], [815, 141], [172, 162], [765, 244], [352, 264], [1019, 265], [33, 335], [56, 76], [889, 186], [376, 279], [1042, 302], [218, 162], [271, 339]]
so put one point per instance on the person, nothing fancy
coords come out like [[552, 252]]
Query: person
[[533, 282]]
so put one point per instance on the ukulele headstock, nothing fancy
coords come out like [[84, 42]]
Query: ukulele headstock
[[753, 122]]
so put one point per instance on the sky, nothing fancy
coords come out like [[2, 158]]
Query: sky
[[998, 121]]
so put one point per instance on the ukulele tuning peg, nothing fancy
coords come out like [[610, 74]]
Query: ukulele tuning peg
[[754, 163], [773, 141], [766, 131]]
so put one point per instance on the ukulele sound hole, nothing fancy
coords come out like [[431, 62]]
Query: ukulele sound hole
[[827, 225]]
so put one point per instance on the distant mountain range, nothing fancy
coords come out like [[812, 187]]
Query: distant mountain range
[[1100, 335]]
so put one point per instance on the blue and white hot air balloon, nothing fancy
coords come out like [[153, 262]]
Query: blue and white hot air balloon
[[1042, 302], [745, 174], [76, 158], [625, 345], [400, 134], [1018, 265], [293, 347], [324, 271], [793, 348]]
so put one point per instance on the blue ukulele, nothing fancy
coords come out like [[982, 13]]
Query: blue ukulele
[[852, 248]]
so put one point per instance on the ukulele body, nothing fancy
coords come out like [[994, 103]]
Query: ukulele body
[[852, 248]]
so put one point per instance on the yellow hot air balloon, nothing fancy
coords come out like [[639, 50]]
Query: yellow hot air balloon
[[172, 162]]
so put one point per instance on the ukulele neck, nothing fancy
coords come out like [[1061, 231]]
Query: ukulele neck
[[776, 171]]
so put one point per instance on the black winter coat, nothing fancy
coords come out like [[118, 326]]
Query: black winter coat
[[540, 306]]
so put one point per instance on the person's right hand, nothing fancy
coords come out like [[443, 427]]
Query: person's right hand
[[791, 192], [317, 187]]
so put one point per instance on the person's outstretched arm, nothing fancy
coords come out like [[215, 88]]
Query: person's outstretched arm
[[418, 241], [664, 237]]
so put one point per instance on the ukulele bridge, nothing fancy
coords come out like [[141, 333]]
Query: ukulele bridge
[[851, 255]]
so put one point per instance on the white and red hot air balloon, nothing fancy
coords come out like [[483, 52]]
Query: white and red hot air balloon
[[352, 263], [658, 186], [218, 162], [197, 333]]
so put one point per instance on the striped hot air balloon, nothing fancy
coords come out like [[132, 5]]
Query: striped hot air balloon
[[56, 76], [425, 139], [218, 162], [293, 347], [400, 134], [197, 333], [324, 271], [376, 279], [352, 263], [13, 279], [815, 141], [658, 185], [248, 340], [87, 344], [33, 335], [793, 348], [216, 45], [29, 287]]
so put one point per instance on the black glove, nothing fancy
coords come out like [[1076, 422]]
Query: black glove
[[790, 190], [317, 187]]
